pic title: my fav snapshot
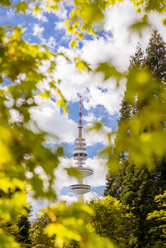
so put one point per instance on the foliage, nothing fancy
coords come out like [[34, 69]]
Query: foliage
[[19, 231], [20, 66], [142, 135], [8, 229], [71, 223], [155, 59], [113, 220], [157, 221], [133, 184], [62, 226], [138, 191], [24, 227], [114, 183], [87, 16], [37, 234]]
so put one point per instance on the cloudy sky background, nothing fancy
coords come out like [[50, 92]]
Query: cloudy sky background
[[101, 100]]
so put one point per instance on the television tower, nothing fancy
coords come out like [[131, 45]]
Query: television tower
[[80, 155]]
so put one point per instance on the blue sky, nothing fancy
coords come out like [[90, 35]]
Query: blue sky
[[101, 100]]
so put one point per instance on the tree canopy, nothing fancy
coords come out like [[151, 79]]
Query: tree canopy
[[136, 184], [113, 220]]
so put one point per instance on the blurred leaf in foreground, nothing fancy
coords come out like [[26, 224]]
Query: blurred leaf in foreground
[[72, 224]]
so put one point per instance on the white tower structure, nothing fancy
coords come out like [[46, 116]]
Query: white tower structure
[[80, 155]]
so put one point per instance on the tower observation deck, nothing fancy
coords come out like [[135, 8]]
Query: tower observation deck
[[80, 156]]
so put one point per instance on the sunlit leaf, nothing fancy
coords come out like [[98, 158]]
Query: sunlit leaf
[[164, 21], [74, 172], [109, 71], [7, 241], [73, 43], [36, 9], [21, 7], [97, 126], [81, 65]]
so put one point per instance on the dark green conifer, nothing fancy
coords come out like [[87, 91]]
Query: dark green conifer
[[156, 56], [135, 186]]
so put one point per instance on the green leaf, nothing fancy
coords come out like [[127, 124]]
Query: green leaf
[[21, 7], [36, 9], [6, 3], [7, 241], [97, 126], [73, 43], [164, 21], [74, 172], [109, 71]]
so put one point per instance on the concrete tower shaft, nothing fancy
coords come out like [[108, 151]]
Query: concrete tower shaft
[[80, 155]]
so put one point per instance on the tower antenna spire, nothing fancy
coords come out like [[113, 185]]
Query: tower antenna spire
[[80, 121], [80, 103]]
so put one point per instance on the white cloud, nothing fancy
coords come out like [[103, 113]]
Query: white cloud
[[91, 118], [48, 117], [11, 12], [51, 43], [118, 19], [62, 13], [62, 178], [116, 48], [91, 86], [122, 44], [94, 137], [72, 82], [99, 171], [89, 196], [16, 116], [97, 50], [60, 25], [156, 21], [110, 99], [38, 31], [68, 198], [62, 129], [37, 205], [40, 16]]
